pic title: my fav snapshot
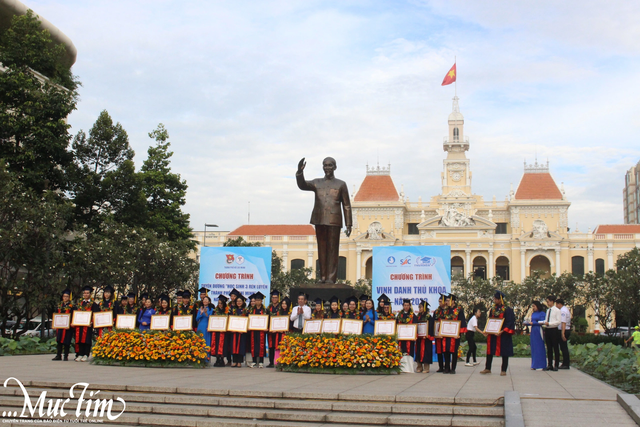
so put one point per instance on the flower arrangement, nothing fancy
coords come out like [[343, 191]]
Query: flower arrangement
[[328, 353], [150, 348]]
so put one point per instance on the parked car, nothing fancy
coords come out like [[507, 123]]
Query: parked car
[[33, 328], [620, 332]]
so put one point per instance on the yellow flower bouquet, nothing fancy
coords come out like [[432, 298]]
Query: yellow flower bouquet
[[150, 348], [328, 353]]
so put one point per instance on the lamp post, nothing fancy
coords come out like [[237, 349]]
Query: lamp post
[[204, 240]]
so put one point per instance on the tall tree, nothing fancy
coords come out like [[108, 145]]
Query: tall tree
[[165, 191], [34, 135], [104, 178]]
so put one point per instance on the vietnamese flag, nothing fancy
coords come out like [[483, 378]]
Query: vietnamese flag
[[450, 77]]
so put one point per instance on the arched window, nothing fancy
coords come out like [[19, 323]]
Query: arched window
[[457, 266], [502, 267], [577, 266], [297, 264], [456, 134], [600, 266]]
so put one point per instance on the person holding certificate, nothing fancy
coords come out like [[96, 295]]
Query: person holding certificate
[[84, 334], [165, 307], [406, 316], [353, 312], [144, 317], [500, 343], [122, 308], [131, 304], [258, 339], [300, 313], [369, 317], [438, 315], [451, 344], [424, 349], [233, 295], [218, 338], [186, 308], [202, 320], [107, 304], [238, 340], [318, 312], [334, 311], [273, 310], [63, 336], [382, 300]]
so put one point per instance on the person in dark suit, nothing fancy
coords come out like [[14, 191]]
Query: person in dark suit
[[327, 213]]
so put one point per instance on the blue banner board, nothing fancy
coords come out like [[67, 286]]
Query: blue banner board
[[248, 269], [413, 272]]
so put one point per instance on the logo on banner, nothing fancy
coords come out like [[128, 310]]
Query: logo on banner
[[406, 261], [239, 259], [230, 258], [391, 260], [425, 261]]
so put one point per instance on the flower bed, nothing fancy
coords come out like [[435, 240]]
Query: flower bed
[[150, 348], [339, 354]]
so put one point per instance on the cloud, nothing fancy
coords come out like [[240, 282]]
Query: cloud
[[246, 89]]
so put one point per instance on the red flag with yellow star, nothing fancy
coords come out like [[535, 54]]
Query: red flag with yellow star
[[451, 76]]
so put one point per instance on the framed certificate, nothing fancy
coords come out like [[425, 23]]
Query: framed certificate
[[493, 326], [351, 327], [238, 324], [279, 324], [217, 324], [437, 329], [312, 326], [183, 323], [331, 326], [61, 321], [160, 322], [258, 322], [81, 318], [407, 332], [423, 329], [126, 321], [450, 328], [384, 327], [103, 319]]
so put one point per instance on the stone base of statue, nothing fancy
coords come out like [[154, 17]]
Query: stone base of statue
[[323, 291]]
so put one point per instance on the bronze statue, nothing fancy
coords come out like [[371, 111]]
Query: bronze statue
[[327, 215]]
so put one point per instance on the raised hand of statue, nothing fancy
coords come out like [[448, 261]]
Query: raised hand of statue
[[348, 231], [301, 165]]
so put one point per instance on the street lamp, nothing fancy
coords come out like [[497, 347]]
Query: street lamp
[[204, 240]]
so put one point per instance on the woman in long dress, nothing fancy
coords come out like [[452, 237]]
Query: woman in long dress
[[538, 352], [202, 320]]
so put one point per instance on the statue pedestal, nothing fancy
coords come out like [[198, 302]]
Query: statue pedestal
[[323, 291]]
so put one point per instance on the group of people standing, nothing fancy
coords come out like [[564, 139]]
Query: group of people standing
[[550, 328]]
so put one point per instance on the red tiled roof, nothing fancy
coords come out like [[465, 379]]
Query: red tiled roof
[[274, 230], [538, 186], [377, 188], [617, 229]]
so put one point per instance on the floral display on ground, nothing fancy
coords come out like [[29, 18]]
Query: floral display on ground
[[328, 353], [151, 348]]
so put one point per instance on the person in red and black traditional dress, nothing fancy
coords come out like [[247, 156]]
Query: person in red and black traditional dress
[[451, 345], [381, 302], [424, 348], [406, 316], [237, 340], [438, 314], [352, 312], [187, 308], [218, 338], [233, 295], [164, 307], [122, 307], [273, 310], [107, 304], [84, 334], [387, 313], [318, 312], [361, 305], [63, 336], [334, 311], [258, 338], [501, 344]]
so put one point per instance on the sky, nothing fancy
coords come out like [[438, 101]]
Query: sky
[[248, 88]]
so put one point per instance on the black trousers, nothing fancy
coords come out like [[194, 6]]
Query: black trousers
[[59, 349], [551, 336], [471, 339], [238, 358], [450, 361], [328, 238], [84, 350], [441, 361], [564, 348], [505, 362]]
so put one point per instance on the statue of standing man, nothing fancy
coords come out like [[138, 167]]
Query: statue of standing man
[[327, 215]]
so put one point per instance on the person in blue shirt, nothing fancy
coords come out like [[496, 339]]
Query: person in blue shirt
[[202, 320], [369, 317], [144, 316]]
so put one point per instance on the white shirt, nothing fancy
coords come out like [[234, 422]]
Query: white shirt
[[306, 315], [565, 317], [553, 317], [473, 324]]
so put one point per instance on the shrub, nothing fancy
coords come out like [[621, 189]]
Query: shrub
[[26, 345], [616, 365], [595, 339]]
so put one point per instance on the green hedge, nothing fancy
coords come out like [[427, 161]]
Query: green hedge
[[26, 345], [573, 339]]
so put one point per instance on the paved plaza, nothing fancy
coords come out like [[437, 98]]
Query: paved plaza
[[574, 397]]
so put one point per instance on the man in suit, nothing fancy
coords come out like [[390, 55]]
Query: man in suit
[[327, 215]]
